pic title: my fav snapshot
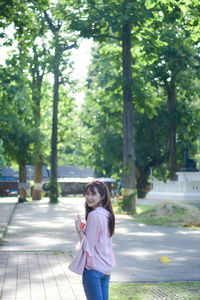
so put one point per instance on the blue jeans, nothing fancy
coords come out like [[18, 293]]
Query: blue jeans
[[96, 285]]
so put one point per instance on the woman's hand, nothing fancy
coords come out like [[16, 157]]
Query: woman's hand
[[78, 227], [78, 223]]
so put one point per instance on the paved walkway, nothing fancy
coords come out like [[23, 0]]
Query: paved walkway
[[35, 275], [40, 241], [7, 206], [32, 264]]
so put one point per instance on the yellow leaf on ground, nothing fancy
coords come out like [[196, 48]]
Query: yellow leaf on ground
[[165, 259]]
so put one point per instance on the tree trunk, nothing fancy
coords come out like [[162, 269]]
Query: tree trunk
[[22, 181], [53, 183], [142, 176], [172, 130], [36, 96], [128, 138], [37, 189]]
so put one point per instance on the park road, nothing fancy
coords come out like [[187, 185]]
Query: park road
[[39, 226]]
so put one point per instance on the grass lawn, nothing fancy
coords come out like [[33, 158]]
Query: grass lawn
[[165, 214], [169, 291]]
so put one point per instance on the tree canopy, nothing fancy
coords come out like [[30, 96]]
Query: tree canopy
[[141, 106]]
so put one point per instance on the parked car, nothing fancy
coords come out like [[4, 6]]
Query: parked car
[[10, 193]]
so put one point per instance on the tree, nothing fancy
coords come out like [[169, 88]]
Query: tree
[[16, 120], [101, 118], [38, 62], [27, 34], [118, 20], [26, 20], [175, 58], [102, 113], [37, 71], [61, 43]]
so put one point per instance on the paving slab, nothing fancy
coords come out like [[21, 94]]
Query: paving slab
[[36, 275]]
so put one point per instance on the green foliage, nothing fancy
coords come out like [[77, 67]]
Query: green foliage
[[172, 69], [102, 19], [2, 161], [102, 113], [34, 39], [165, 50], [92, 134], [125, 203], [68, 130], [15, 114], [63, 39]]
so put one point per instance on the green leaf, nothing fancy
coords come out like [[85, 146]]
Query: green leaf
[[150, 3]]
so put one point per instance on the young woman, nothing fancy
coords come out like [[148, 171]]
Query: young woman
[[97, 243]]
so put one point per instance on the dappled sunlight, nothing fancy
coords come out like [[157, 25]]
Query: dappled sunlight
[[138, 247], [7, 200], [189, 232], [123, 230], [14, 228], [38, 275], [42, 226], [147, 234], [44, 241], [47, 242], [145, 254], [46, 224], [139, 253], [142, 225]]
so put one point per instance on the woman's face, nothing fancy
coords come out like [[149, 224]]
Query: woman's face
[[93, 198]]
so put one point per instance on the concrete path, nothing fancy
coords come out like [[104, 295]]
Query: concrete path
[[37, 228], [138, 247], [7, 207], [40, 226]]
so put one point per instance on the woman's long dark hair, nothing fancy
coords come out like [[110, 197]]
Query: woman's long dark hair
[[105, 203]]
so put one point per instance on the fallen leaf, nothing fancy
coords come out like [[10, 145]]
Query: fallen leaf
[[165, 259]]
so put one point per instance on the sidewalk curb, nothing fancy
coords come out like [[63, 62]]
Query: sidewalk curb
[[4, 231]]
